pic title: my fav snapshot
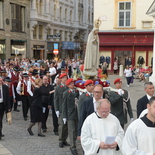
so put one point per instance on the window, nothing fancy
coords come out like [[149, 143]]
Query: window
[[40, 32], [124, 14], [66, 33], [18, 18], [60, 13], [66, 15], [48, 33], [55, 9], [1, 15], [71, 17], [35, 33]]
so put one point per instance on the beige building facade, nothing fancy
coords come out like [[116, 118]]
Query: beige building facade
[[14, 28], [60, 24], [126, 32]]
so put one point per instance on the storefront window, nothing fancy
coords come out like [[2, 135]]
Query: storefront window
[[18, 47], [2, 47]]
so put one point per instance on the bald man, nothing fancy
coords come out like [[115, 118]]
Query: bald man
[[98, 127]]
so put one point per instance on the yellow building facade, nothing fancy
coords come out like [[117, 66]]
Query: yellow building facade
[[126, 31]]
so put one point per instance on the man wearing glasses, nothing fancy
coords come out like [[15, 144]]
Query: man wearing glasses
[[101, 132], [89, 106]]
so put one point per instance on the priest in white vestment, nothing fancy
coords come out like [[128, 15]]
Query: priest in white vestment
[[102, 133], [140, 135]]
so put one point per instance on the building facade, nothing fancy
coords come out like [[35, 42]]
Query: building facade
[[14, 28], [126, 32], [62, 24]]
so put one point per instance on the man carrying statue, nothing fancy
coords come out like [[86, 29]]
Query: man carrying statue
[[91, 61]]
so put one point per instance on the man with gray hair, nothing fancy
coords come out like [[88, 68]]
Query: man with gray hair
[[101, 131], [142, 102]]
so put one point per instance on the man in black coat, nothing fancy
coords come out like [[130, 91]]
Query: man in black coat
[[48, 103], [89, 106], [142, 102], [4, 103]]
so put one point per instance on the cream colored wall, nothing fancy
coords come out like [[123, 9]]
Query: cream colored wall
[[141, 8], [109, 9], [104, 8], [140, 53], [150, 55], [105, 54]]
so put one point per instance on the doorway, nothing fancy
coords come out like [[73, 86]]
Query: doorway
[[123, 56]]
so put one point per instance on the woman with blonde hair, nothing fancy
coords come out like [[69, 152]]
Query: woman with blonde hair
[[36, 109]]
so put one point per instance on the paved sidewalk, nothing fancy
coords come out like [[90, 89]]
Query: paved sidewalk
[[17, 141]]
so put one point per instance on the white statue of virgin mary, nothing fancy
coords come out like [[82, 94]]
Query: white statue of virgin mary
[[91, 61]]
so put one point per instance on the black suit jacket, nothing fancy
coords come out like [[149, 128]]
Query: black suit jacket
[[141, 105], [87, 108], [6, 98]]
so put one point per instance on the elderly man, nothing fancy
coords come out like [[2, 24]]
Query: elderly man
[[98, 128], [140, 138], [120, 103], [142, 102]]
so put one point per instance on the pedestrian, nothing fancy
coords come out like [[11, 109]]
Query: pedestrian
[[14, 75], [48, 103], [11, 91], [128, 75], [22, 91], [120, 103], [58, 100], [70, 114], [4, 103], [98, 127], [36, 108], [139, 137], [142, 102], [115, 66]]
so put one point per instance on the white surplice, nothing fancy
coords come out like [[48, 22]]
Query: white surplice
[[139, 139], [95, 130]]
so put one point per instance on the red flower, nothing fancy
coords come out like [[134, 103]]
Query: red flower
[[61, 86], [69, 91], [87, 94]]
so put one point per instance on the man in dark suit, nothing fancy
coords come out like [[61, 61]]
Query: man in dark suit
[[48, 103], [58, 100], [69, 113], [89, 106], [142, 102], [4, 103]]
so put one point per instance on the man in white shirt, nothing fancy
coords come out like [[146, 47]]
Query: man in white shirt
[[53, 72], [140, 138], [98, 127]]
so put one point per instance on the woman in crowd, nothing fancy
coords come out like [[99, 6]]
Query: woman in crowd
[[128, 75], [36, 109]]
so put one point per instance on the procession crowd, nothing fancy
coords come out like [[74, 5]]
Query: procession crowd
[[92, 115]]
